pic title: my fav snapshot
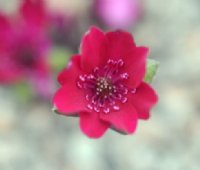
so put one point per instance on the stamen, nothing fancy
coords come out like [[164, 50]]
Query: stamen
[[82, 78], [90, 106], [133, 91], [106, 110], [124, 99], [96, 109], [105, 87], [87, 97], [116, 107], [79, 85], [124, 75], [120, 62]]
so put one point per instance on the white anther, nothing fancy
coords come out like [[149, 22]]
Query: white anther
[[106, 110], [133, 91], [87, 97], [120, 62], [79, 84], [90, 106], [96, 109], [124, 75], [125, 91], [110, 61], [124, 99], [116, 107], [82, 78]]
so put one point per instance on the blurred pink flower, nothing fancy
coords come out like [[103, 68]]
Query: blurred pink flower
[[118, 13], [62, 28], [24, 45], [34, 13]]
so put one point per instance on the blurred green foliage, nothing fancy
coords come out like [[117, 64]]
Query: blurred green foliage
[[59, 58]]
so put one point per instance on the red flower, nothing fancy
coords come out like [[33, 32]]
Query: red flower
[[24, 45], [104, 84]]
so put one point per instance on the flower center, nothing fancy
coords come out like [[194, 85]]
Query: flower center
[[25, 55], [105, 87], [27, 59]]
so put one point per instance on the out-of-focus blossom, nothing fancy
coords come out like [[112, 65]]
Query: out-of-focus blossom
[[24, 45], [104, 84], [34, 13], [118, 13], [61, 27]]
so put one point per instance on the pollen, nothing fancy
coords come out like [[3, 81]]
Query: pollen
[[105, 87]]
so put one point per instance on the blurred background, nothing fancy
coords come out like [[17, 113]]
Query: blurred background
[[33, 137]]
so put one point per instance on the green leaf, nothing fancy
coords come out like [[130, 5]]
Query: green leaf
[[152, 67], [59, 58], [23, 91]]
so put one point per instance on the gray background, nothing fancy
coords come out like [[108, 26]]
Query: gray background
[[33, 138]]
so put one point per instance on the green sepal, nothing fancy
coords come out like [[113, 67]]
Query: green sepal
[[152, 67]]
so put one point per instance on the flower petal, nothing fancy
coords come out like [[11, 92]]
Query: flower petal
[[69, 99], [34, 12], [71, 72], [93, 49], [124, 120], [143, 100], [5, 31], [120, 43], [121, 46], [4, 23], [91, 125], [136, 66], [8, 76]]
